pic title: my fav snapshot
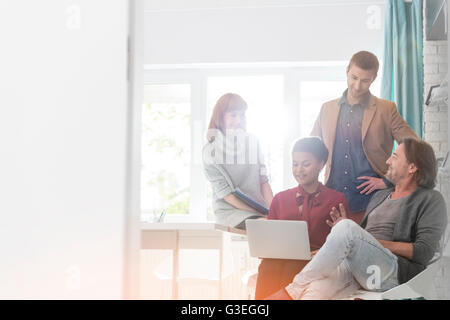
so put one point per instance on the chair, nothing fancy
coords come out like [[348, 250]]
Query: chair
[[422, 285]]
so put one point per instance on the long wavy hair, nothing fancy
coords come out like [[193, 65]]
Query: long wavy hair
[[422, 155], [226, 103]]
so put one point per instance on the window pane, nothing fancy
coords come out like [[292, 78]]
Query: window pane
[[166, 148], [264, 95], [312, 95]]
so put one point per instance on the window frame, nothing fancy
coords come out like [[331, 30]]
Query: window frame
[[196, 75], [196, 213]]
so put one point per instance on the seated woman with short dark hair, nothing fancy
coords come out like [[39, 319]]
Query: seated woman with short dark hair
[[310, 201]]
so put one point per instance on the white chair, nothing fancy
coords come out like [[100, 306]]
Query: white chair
[[421, 286]]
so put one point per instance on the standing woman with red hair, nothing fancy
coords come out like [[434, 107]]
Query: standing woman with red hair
[[232, 159]]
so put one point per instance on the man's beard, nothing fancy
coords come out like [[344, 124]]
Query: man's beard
[[390, 176]]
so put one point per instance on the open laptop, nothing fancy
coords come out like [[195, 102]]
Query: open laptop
[[278, 239]]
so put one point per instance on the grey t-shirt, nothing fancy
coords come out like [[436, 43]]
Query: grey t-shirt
[[381, 221]]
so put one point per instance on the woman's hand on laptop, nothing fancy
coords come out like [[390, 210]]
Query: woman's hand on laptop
[[337, 215]]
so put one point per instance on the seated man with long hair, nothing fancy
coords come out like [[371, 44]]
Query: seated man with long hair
[[398, 236]]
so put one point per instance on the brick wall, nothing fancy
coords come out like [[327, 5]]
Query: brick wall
[[435, 114], [435, 59]]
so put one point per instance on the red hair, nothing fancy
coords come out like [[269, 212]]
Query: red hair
[[226, 103]]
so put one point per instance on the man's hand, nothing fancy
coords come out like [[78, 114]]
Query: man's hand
[[337, 215], [371, 184]]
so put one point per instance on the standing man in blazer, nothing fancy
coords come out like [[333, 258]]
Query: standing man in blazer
[[359, 130]]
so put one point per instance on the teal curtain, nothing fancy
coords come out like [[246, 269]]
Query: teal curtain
[[402, 80]]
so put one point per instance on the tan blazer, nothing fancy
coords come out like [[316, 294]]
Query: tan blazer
[[381, 125]]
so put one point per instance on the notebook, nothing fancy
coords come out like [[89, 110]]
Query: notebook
[[251, 203]]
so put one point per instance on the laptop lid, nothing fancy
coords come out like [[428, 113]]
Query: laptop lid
[[278, 239]]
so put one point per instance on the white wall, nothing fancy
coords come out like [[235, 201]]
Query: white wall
[[63, 115], [214, 31]]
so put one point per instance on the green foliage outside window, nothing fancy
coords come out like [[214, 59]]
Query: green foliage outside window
[[163, 136]]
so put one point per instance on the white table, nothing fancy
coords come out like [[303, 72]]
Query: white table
[[176, 236]]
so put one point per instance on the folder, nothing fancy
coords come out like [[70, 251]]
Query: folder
[[250, 202]]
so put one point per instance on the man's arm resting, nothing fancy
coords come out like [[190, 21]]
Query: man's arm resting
[[403, 249]]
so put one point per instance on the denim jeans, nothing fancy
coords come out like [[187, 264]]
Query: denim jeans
[[350, 258]]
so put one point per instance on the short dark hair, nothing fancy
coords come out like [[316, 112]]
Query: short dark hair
[[422, 155], [365, 60], [313, 145]]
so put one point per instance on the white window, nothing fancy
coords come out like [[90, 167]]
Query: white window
[[283, 103], [166, 149], [312, 95]]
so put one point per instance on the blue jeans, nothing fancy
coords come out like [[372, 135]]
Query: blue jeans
[[351, 258]]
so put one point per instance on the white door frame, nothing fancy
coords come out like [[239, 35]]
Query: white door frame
[[132, 241]]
